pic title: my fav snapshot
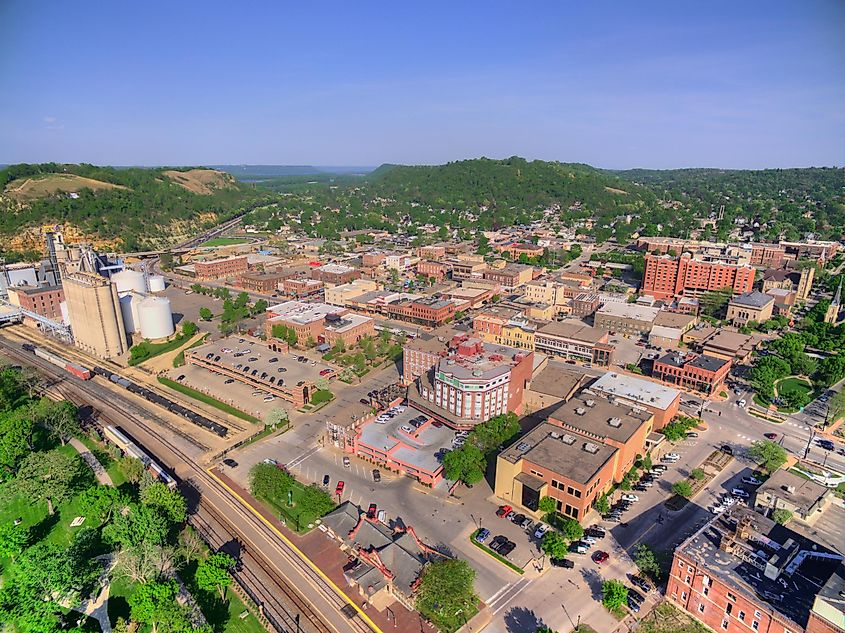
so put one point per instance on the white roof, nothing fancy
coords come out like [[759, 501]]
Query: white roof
[[629, 311], [638, 390]]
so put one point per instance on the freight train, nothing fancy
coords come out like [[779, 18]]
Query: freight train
[[77, 370], [167, 403], [86, 374], [130, 449]]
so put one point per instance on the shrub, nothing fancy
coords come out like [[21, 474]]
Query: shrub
[[697, 474], [781, 516], [682, 489]]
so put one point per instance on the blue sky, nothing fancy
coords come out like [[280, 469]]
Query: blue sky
[[741, 84]]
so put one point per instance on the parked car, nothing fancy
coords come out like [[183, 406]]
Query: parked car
[[503, 511], [726, 448], [510, 515], [231, 463], [346, 461], [630, 497], [497, 542], [407, 428], [270, 461], [372, 511], [364, 401], [597, 531], [339, 489], [376, 475], [562, 562], [642, 583], [770, 436], [326, 480], [600, 557], [741, 403], [640, 488], [741, 493], [507, 548], [578, 547], [542, 528], [589, 540], [527, 524], [228, 381], [518, 518], [660, 467], [633, 605], [751, 481], [692, 434], [671, 456], [482, 535]]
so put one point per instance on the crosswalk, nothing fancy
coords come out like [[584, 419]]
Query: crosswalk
[[506, 594]]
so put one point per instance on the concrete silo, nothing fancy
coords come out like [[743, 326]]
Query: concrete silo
[[129, 311], [129, 279], [156, 283], [156, 317], [93, 307]]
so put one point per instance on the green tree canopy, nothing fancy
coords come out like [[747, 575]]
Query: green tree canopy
[[769, 455], [554, 544], [213, 573], [614, 594]]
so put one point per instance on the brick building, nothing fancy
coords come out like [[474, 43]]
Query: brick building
[[768, 255], [335, 274], [511, 276], [666, 277], [299, 287], [43, 300], [426, 311], [263, 282], [431, 252], [625, 318], [750, 306], [697, 372], [373, 259], [662, 402], [319, 322], [574, 340], [743, 573], [221, 268], [427, 268]]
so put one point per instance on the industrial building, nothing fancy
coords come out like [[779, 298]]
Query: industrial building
[[94, 311]]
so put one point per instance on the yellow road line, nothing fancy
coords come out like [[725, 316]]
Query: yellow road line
[[299, 552]]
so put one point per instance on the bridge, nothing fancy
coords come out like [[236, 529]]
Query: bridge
[[15, 314]]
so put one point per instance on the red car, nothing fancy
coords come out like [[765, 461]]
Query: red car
[[770, 436], [339, 490], [502, 512], [600, 557], [372, 511]]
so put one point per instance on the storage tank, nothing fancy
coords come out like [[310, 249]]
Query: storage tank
[[129, 279], [156, 283], [156, 317], [129, 311]]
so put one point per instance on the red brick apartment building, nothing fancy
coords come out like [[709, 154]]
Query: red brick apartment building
[[431, 252], [299, 288], [744, 573], [221, 268], [769, 255], [697, 372], [516, 249], [263, 282], [43, 301], [429, 312], [666, 277], [335, 274], [371, 260]]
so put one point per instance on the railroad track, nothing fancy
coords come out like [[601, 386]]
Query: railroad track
[[238, 515]]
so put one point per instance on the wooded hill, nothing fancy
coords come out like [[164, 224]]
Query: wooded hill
[[133, 207]]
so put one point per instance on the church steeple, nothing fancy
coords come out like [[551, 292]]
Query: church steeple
[[832, 314]]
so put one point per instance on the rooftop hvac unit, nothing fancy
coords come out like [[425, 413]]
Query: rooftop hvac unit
[[522, 446], [615, 422], [555, 435], [568, 439], [590, 403], [580, 410], [477, 373], [591, 448], [790, 489]]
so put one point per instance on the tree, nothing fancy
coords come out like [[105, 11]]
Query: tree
[[206, 314], [782, 516], [137, 524], [169, 502], [154, 603], [646, 561], [13, 539], [466, 464], [259, 307], [698, 474], [313, 502], [16, 434], [268, 482], [614, 594], [713, 302], [145, 561], [27, 610], [276, 416], [191, 545], [189, 328], [554, 544], [682, 489], [571, 529], [446, 587], [99, 502], [60, 417], [52, 477], [836, 407], [547, 504], [830, 370], [768, 455], [133, 469], [213, 573], [602, 504]]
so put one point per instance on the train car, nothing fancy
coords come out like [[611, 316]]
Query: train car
[[79, 371], [54, 359], [130, 449]]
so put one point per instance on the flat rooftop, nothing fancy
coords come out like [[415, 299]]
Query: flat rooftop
[[769, 562], [801, 492], [494, 360], [301, 312], [601, 418], [557, 380], [639, 390], [729, 341], [553, 448], [574, 330], [629, 311]]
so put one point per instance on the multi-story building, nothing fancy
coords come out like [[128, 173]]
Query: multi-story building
[[426, 311], [548, 462], [340, 295], [373, 259], [476, 382], [432, 269], [768, 255], [431, 252], [511, 276], [263, 282], [798, 281], [666, 277], [585, 304], [43, 300], [750, 306], [94, 310], [221, 268], [335, 274], [811, 249], [662, 402], [515, 249], [697, 372], [670, 327], [625, 318], [319, 322], [743, 573], [400, 262], [806, 499], [420, 354], [612, 423], [299, 287], [468, 269], [573, 340]]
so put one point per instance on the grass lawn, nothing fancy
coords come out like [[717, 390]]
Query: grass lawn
[[224, 241], [214, 402], [223, 616], [665, 618], [290, 514], [792, 384], [490, 552], [156, 349]]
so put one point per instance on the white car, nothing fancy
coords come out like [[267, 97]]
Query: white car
[[671, 456], [630, 497], [407, 428], [741, 403], [590, 540], [739, 492], [542, 528], [751, 481]]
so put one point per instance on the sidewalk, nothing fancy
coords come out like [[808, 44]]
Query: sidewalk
[[102, 476]]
